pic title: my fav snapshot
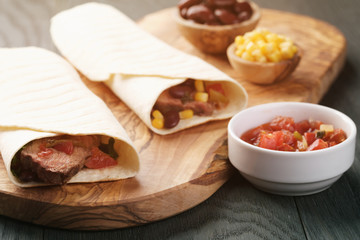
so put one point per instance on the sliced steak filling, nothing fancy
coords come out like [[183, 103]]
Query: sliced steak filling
[[40, 161]]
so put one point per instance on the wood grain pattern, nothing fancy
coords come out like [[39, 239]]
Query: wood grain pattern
[[181, 170]]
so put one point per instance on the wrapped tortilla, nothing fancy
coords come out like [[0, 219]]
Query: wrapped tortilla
[[105, 45], [53, 129]]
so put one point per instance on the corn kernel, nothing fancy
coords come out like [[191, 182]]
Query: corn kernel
[[157, 114], [262, 45], [270, 47], [250, 47], [294, 49], [286, 50], [239, 50], [201, 96], [281, 39], [199, 86], [286, 53], [272, 37], [258, 37], [185, 114], [286, 45], [247, 56], [259, 43], [261, 59], [158, 123], [248, 35], [274, 57], [239, 40], [256, 53], [246, 41], [264, 31]]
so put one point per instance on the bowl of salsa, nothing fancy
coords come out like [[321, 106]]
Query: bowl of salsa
[[291, 148]]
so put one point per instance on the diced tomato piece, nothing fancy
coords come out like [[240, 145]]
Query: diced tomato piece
[[310, 137], [327, 136], [337, 136], [66, 147], [251, 135], [267, 141], [302, 126], [278, 140], [317, 145], [216, 87], [99, 159], [301, 146], [44, 152], [280, 122], [315, 124], [271, 140], [288, 138], [286, 147]]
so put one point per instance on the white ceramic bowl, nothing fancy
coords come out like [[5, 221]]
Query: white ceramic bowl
[[290, 173]]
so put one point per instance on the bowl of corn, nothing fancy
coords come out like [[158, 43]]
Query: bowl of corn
[[263, 57]]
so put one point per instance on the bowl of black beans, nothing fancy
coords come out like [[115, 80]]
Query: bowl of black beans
[[212, 25]]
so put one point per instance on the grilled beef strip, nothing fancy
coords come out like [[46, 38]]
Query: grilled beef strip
[[57, 168]]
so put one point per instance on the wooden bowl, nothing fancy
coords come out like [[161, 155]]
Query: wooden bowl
[[262, 73], [215, 39]]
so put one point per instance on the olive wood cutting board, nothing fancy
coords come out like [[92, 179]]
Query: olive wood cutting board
[[180, 170]]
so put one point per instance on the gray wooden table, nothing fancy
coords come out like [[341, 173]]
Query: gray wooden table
[[237, 210]]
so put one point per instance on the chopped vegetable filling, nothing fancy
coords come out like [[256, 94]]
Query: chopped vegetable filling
[[183, 101], [283, 134]]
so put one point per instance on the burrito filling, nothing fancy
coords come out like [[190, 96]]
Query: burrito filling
[[56, 160], [183, 101]]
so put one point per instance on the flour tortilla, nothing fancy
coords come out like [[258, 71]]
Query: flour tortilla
[[41, 95], [105, 45]]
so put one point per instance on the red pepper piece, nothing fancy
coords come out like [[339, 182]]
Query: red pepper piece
[[66, 147], [216, 87], [44, 151], [99, 159], [317, 145]]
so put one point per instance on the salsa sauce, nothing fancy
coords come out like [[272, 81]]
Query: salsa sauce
[[284, 134]]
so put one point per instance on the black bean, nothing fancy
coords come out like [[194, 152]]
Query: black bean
[[180, 91], [226, 17], [200, 14], [187, 3], [221, 3], [171, 119], [243, 16], [243, 7]]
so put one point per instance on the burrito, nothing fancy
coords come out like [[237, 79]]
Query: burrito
[[53, 129], [167, 88]]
